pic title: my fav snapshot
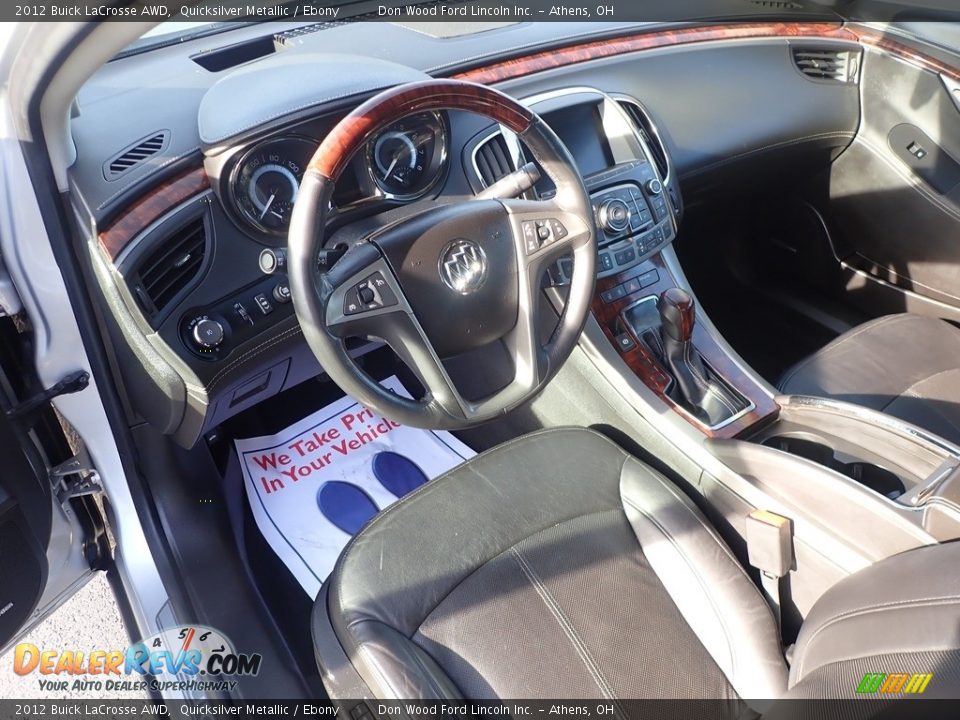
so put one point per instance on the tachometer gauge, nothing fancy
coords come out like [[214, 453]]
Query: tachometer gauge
[[407, 159], [267, 180]]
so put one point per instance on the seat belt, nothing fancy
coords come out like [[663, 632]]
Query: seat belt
[[770, 550]]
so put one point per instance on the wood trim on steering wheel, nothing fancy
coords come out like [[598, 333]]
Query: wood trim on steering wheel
[[360, 125]]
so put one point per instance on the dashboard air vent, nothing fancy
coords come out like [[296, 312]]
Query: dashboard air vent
[[135, 154], [827, 64], [172, 266], [776, 4], [649, 134], [297, 36], [492, 160]]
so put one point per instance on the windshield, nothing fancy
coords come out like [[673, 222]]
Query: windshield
[[169, 29], [170, 33], [215, 16]]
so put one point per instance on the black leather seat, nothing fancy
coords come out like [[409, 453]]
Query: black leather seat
[[558, 566], [905, 365]]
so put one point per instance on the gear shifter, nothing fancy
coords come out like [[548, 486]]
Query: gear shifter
[[677, 314], [698, 389]]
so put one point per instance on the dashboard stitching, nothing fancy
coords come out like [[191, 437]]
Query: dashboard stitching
[[287, 111], [153, 169], [545, 44], [771, 146], [250, 354]]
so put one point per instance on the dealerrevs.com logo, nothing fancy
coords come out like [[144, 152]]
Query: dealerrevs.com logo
[[894, 683], [189, 658]]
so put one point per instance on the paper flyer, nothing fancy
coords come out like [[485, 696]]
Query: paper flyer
[[312, 485]]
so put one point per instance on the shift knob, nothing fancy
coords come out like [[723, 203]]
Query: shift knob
[[677, 314]]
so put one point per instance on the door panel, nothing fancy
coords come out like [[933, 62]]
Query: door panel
[[23, 570], [37, 531], [894, 195], [25, 523]]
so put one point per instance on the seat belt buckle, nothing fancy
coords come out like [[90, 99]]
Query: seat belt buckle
[[770, 550], [769, 543]]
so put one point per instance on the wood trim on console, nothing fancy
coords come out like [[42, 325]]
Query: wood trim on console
[[150, 207], [597, 49], [654, 376]]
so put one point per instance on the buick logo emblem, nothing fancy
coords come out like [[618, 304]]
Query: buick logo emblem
[[463, 266]]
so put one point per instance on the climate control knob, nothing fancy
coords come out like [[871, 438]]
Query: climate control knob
[[207, 334], [614, 215], [654, 187]]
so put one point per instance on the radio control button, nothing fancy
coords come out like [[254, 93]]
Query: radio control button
[[614, 215]]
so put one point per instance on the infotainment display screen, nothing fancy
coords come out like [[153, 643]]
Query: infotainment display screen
[[580, 127]]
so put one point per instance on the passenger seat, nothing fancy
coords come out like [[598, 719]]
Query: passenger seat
[[904, 365]]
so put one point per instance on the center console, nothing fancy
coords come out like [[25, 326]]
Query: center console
[[636, 212], [641, 306], [856, 486]]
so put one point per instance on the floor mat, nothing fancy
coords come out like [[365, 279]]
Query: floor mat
[[314, 484]]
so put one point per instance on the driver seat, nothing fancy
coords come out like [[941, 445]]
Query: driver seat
[[559, 566]]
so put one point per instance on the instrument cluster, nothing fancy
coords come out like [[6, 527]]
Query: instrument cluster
[[402, 163]]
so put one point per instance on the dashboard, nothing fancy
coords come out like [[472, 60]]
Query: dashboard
[[190, 200]]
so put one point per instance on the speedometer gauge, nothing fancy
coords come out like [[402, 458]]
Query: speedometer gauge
[[267, 180], [407, 159]]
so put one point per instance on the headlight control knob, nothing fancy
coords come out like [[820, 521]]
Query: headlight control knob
[[208, 334]]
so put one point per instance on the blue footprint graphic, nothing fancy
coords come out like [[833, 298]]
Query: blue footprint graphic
[[345, 505], [397, 473]]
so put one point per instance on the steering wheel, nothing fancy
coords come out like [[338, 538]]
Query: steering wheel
[[448, 280]]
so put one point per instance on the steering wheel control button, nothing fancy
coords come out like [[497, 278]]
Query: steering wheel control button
[[558, 230], [538, 234], [208, 334], [366, 295], [369, 294], [263, 303], [530, 241], [281, 293]]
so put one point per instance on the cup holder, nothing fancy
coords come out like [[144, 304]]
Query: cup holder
[[872, 476]]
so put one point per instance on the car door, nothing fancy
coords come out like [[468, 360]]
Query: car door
[[894, 195], [51, 532]]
